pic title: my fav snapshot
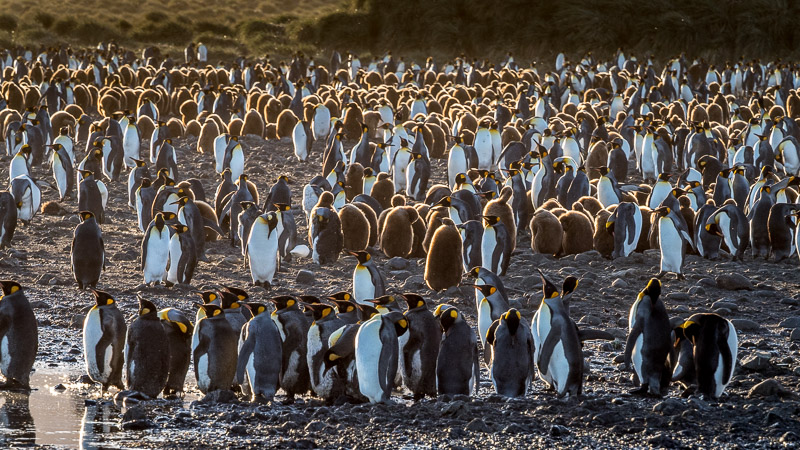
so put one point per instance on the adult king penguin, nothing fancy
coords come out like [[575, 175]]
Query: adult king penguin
[[104, 332]]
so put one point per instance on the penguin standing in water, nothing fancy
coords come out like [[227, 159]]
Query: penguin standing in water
[[712, 353], [457, 370], [559, 357], [325, 384], [260, 355], [625, 223], [104, 332], [182, 256], [293, 326], [87, 251], [368, 281], [649, 341], [511, 365], [495, 245], [214, 345], [262, 249], [19, 337], [155, 251], [146, 352], [377, 351], [179, 331], [421, 349], [673, 238]]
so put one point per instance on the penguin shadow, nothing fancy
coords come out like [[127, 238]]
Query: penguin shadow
[[16, 422]]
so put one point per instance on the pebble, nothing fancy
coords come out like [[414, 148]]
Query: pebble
[[679, 296], [590, 320], [38, 304], [734, 282], [791, 322], [619, 283], [722, 304], [305, 277], [397, 263], [696, 290], [795, 336], [559, 430], [77, 321], [220, 397], [758, 361], [670, 407], [745, 325], [478, 425], [768, 388]]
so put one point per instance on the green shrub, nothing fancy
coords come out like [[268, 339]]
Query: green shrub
[[8, 23], [166, 32], [204, 26], [65, 26]]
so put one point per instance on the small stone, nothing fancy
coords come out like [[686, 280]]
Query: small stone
[[238, 430], [559, 430], [791, 322], [478, 425], [696, 290], [745, 325], [619, 283], [795, 336], [513, 429], [722, 304], [413, 283], [44, 279], [590, 320], [221, 396], [397, 263], [517, 303], [790, 301], [768, 388], [758, 361], [670, 407], [137, 425], [314, 426], [734, 282], [135, 413], [708, 282], [305, 277], [38, 304], [679, 296], [77, 321]]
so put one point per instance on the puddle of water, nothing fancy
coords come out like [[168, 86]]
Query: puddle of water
[[56, 417]]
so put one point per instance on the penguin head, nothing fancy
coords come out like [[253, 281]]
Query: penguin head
[[246, 205], [139, 162], [146, 183], [209, 296], [511, 318], [98, 154], [318, 310], [240, 294], [362, 256], [677, 192], [10, 287], [652, 290], [548, 289], [490, 221], [86, 215], [211, 310], [25, 149], [282, 206], [604, 170], [271, 219], [180, 229], [257, 308], [664, 176], [283, 302], [180, 201], [662, 211], [414, 301], [569, 286], [687, 330], [447, 317], [146, 307], [367, 312], [167, 215], [159, 221], [85, 173], [176, 318], [445, 201]]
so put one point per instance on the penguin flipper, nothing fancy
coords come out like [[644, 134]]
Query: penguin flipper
[[632, 336], [248, 346], [725, 353], [548, 346], [211, 225]]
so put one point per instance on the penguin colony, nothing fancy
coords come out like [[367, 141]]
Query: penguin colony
[[542, 155]]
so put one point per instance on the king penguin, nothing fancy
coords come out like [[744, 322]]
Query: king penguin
[[324, 383], [260, 355], [146, 352], [214, 350], [420, 349], [511, 368], [457, 370], [155, 251], [262, 249], [368, 281], [19, 337], [87, 251], [649, 341], [293, 326], [714, 347], [179, 331], [182, 256], [495, 245], [673, 239], [377, 351], [104, 332]]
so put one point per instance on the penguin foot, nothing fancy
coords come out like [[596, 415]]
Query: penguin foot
[[642, 391], [15, 386]]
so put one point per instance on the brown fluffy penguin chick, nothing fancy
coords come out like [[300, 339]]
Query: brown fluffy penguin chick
[[443, 266], [396, 201], [434, 222], [325, 200], [603, 240], [591, 204], [578, 233], [550, 205], [209, 132], [353, 181], [369, 213], [355, 228], [397, 235], [383, 190], [286, 122], [546, 233], [501, 208]]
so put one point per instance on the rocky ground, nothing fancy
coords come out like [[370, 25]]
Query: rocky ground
[[761, 296]]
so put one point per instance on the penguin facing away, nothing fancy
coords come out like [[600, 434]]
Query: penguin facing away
[[421, 348], [146, 352], [512, 355], [260, 355], [457, 370], [713, 350], [179, 331], [649, 341], [87, 251]]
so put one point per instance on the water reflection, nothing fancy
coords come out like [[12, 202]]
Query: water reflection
[[99, 419], [16, 420]]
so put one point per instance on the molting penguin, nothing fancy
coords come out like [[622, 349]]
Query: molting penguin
[[377, 351], [146, 352], [512, 366], [260, 356], [457, 370], [714, 347], [104, 332], [19, 337], [214, 345], [649, 341], [87, 251], [179, 331]]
